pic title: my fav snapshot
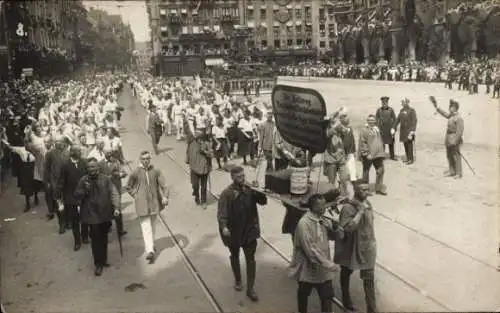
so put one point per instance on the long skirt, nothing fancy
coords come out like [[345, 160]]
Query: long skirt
[[244, 143], [232, 134], [27, 184], [223, 151]]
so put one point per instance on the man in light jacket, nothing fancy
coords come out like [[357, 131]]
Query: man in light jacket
[[312, 264], [147, 186], [371, 152]]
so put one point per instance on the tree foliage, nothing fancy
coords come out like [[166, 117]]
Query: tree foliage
[[109, 40]]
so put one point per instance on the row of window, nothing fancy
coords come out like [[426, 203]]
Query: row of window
[[298, 13], [202, 13], [289, 43]]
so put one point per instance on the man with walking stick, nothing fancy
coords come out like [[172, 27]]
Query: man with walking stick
[[99, 204], [453, 138]]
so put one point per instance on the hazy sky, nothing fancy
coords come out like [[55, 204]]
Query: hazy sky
[[132, 12]]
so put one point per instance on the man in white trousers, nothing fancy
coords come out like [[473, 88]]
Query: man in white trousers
[[147, 186]]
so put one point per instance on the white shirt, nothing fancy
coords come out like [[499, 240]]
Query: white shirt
[[245, 125], [219, 132], [98, 155]]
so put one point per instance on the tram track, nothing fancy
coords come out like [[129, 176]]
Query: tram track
[[203, 285], [287, 260]]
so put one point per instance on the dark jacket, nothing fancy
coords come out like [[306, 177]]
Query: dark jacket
[[97, 201], [54, 161], [199, 156], [385, 121], [237, 210], [114, 171], [68, 179], [358, 248], [407, 118]]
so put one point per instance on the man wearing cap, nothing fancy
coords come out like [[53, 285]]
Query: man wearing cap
[[407, 118], [358, 248], [199, 158], [385, 120], [154, 127], [238, 220], [453, 139]]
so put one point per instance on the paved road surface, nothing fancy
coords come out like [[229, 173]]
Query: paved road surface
[[422, 267]]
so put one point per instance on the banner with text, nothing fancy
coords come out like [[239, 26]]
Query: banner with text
[[300, 117]]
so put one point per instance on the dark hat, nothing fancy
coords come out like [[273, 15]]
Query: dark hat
[[384, 98], [454, 103]]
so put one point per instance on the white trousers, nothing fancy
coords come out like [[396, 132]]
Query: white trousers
[[351, 166], [148, 227], [179, 125]]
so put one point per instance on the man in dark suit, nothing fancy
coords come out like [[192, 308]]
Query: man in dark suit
[[112, 168], [385, 120], [71, 172], [54, 160], [407, 118]]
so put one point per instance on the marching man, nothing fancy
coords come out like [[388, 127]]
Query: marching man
[[147, 186]]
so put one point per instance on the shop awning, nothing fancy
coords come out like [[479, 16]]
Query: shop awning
[[214, 62]]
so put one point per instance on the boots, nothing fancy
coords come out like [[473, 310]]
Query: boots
[[345, 282], [235, 266], [62, 224], [251, 271], [369, 287]]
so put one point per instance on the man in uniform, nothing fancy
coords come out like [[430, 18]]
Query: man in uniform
[[407, 118], [385, 120], [453, 138]]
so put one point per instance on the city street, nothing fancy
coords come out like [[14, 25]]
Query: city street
[[437, 237]]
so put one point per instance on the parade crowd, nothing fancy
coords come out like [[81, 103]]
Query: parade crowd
[[62, 138], [466, 76], [220, 127]]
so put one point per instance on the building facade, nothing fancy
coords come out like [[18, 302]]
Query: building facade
[[186, 34], [351, 31], [42, 35]]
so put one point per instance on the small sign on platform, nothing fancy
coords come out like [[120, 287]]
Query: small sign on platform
[[300, 117]]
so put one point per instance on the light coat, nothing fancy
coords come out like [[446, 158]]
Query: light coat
[[147, 186]]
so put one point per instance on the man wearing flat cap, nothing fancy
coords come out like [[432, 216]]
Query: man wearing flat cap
[[386, 118], [453, 138], [358, 248]]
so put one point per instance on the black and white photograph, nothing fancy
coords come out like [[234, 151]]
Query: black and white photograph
[[249, 156]]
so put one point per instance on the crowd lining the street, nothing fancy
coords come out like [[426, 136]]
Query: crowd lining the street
[[63, 138], [466, 76]]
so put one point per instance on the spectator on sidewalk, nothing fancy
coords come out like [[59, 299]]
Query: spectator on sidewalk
[[147, 186], [99, 202]]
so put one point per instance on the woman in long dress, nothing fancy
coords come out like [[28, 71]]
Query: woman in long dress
[[27, 184], [245, 137]]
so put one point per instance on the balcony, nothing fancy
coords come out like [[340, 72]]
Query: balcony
[[229, 19], [175, 19]]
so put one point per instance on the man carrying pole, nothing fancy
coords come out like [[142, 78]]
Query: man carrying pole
[[453, 137]]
